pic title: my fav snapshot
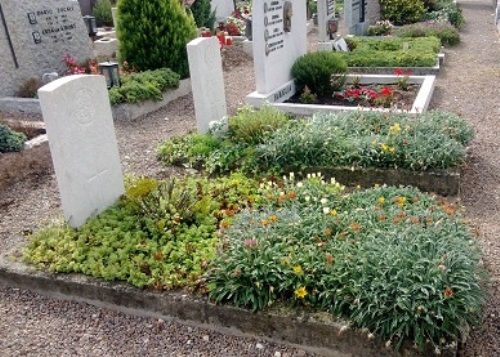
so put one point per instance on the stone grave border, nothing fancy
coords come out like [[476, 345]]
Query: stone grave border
[[124, 111], [420, 105], [315, 332]]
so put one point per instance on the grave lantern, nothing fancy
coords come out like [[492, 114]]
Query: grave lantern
[[332, 27], [91, 25], [111, 72]]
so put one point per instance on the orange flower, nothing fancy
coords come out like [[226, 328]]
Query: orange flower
[[265, 222], [429, 220], [342, 235], [269, 197], [328, 232], [415, 220], [292, 195], [329, 259], [224, 224], [273, 218], [355, 227], [382, 217], [448, 293], [282, 196]]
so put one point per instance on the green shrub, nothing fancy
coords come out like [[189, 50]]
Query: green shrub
[[141, 86], [154, 34], [203, 14], [447, 34], [389, 52], [102, 13], [392, 261], [447, 10], [316, 69], [10, 141], [401, 12], [380, 28], [250, 126]]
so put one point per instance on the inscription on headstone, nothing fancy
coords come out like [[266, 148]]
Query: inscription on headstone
[[355, 14], [274, 49], [82, 141], [38, 34]]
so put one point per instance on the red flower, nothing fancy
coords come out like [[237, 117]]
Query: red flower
[[386, 91], [398, 72]]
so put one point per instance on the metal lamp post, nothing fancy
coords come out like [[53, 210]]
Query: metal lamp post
[[91, 25]]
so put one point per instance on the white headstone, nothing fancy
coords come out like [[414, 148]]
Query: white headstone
[[341, 45], [326, 12], [34, 37], [207, 81], [222, 8], [82, 141], [279, 39]]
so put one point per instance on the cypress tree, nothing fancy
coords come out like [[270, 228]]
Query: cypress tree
[[203, 14], [154, 33]]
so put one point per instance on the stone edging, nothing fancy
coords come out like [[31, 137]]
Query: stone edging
[[26, 106], [314, 332], [443, 182]]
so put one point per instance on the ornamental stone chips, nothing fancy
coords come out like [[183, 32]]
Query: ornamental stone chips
[[34, 36]]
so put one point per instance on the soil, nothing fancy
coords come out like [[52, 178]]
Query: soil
[[401, 99]]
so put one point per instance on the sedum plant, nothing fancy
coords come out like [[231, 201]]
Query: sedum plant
[[10, 141], [154, 34], [402, 12]]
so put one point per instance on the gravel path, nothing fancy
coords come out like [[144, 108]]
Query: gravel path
[[34, 325]]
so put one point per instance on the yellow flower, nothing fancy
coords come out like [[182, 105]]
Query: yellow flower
[[265, 222], [384, 147], [391, 149], [297, 269], [396, 128], [374, 143], [301, 292], [334, 213], [273, 218], [358, 187], [381, 200]]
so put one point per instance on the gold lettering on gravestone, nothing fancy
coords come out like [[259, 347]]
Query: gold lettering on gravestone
[[274, 31], [52, 24]]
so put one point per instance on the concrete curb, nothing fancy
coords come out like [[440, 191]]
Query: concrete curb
[[27, 106], [314, 332]]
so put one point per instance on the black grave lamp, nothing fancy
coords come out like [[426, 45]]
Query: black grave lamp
[[91, 25], [111, 72]]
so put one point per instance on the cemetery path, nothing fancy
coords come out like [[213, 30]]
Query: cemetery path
[[34, 325], [469, 86]]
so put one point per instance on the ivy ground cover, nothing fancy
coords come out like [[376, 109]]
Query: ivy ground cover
[[394, 261]]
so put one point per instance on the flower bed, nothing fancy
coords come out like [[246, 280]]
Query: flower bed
[[432, 146], [393, 261]]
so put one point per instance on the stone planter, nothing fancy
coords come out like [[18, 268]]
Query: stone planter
[[285, 92]]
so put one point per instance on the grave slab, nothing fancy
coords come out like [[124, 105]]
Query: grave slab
[[82, 141]]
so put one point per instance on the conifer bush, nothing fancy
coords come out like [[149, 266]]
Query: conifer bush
[[153, 34], [203, 14]]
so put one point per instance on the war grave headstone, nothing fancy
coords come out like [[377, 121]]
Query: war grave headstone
[[34, 36], [326, 16], [82, 141], [207, 81], [279, 38]]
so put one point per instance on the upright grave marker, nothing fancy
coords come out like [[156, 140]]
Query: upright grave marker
[[82, 141], [279, 39], [34, 36], [326, 14], [207, 81], [222, 8], [355, 16]]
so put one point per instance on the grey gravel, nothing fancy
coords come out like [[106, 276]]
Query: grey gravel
[[33, 325]]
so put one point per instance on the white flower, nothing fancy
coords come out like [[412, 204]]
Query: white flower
[[262, 185], [326, 210], [285, 178], [313, 175], [319, 174], [300, 184], [307, 198], [308, 176], [324, 201], [292, 176]]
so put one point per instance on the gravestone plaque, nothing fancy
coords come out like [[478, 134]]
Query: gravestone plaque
[[326, 12], [205, 68], [355, 16], [34, 36], [341, 45], [82, 141], [279, 38]]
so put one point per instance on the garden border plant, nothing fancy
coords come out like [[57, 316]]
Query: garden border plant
[[332, 261]]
